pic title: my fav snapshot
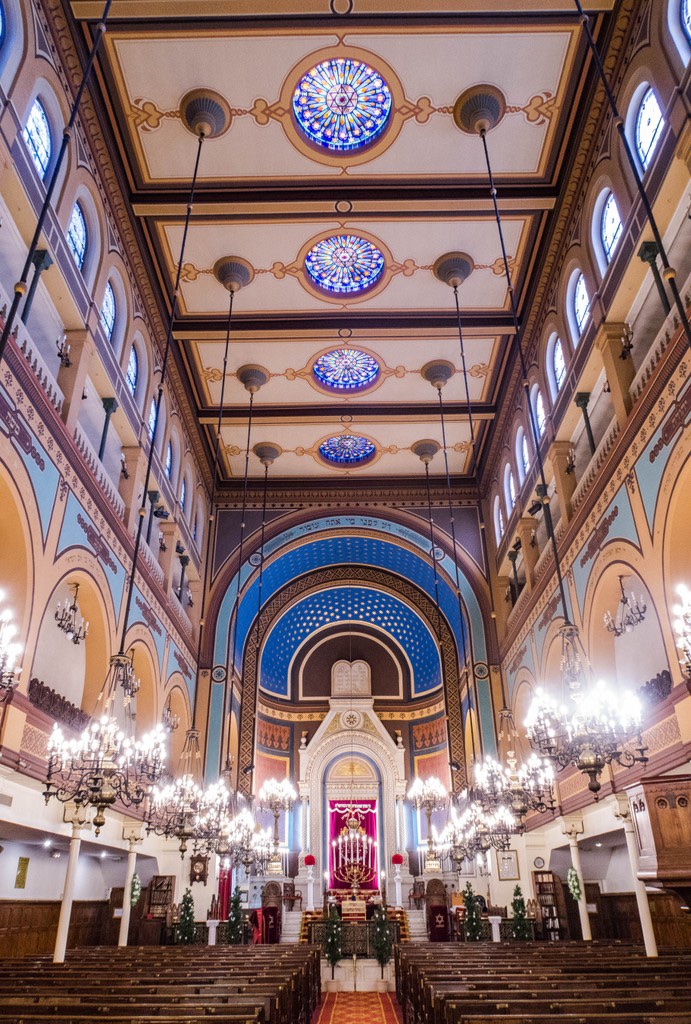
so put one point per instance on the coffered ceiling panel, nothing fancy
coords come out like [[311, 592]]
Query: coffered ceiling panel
[[268, 191], [257, 72]]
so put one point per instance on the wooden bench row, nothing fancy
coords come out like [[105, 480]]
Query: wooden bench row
[[542, 984]]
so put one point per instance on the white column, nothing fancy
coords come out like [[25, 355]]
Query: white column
[[310, 887], [397, 881], [212, 927], [77, 818], [573, 828], [133, 834], [495, 922], [623, 812]]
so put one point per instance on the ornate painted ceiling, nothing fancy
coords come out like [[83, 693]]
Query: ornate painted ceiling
[[278, 186]]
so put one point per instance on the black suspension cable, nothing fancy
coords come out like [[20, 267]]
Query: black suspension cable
[[20, 287], [193, 734], [669, 273], [526, 385], [438, 608], [234, 629], [159, 398]]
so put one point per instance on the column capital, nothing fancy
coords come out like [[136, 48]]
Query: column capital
[[609, 333], [648, 252], [132, 831], [512, 554], [572, 826], [622, 810], [76, 815], [42, 260], [559, 449], [581, 399]]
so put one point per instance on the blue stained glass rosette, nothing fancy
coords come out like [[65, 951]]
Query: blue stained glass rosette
[[344, 263], [346, 369], [347, 449], [342, 104]]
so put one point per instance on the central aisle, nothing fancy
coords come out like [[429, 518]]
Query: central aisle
[[355, 1007]]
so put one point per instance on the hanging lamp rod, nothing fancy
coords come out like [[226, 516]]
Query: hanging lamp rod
[[20, 287], [668, 272]]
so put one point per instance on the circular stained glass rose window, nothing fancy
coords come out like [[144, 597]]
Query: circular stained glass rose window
[[344, 263], [346, 369], [342, 104], [347, 449]]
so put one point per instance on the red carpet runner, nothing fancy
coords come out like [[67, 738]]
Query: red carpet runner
[[356, 1007]]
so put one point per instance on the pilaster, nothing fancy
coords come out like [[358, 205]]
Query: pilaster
[[526, 531], [618, 367], [72, 378], [558, 456]]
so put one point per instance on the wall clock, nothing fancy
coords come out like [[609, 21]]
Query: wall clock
[[539, 863], [199, 869]]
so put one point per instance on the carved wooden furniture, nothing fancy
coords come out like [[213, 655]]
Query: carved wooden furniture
[[291, 895], [661, 814], [416, 895]]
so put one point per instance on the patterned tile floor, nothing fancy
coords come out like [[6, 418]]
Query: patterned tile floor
[[356, 1007]]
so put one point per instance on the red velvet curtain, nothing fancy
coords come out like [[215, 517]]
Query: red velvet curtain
[[225, 891], [366, 813]]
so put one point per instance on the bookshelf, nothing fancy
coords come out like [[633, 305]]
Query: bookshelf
[[549, 898]]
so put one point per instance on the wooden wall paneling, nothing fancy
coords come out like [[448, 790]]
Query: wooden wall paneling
[[28, 927]]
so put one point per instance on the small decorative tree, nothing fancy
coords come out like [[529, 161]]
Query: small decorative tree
[[574, 883], [382, 939], [235, 919], [186, 921], [135, 890], [333, 939], [473, 922], [520, 926]]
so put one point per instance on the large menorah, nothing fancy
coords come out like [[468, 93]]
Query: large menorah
[[354, 857]]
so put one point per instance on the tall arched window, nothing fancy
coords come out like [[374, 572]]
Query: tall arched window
[[498, 520], [132, 374], [610, 226], [183, 495], [77, 237], [2, 25], [109, 311], [649, 125], [153, 416], [510, 488], [685, 15], [539, 407], [522, 455], [558, 364], [38, 137], [169, 459], [581, 303], [195, 527]]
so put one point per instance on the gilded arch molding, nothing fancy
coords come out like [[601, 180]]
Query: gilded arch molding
[[353, 575]]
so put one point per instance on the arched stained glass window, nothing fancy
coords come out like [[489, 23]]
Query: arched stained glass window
[[132, 374], [525, 454], [153, 416], [685, 15], [347, 449], [558, 364], [498, 520], [169, 459], [342, 104], [649, 125], [610, 226], [109, 311], [346, 369], [511, 486], [77, 237], [38, 137], [344, 263], [183, 495], [195, 528], [2, 24], [540, 412], [581, 303]]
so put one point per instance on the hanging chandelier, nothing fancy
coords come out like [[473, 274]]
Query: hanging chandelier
[[9, 652], [682, 627], [429, 795], [628, 615], [169, 719], [275, 796], [593, 729], [103, 766], [68, 620], [518, 789]]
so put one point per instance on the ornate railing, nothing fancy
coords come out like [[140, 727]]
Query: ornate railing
[[357, 937], [57, 706]]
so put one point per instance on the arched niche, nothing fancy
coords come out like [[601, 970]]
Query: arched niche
[[630, 660], [77, 671], [146, 712], [17, 574], [523, 693], [178, 700], [674, 529]]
